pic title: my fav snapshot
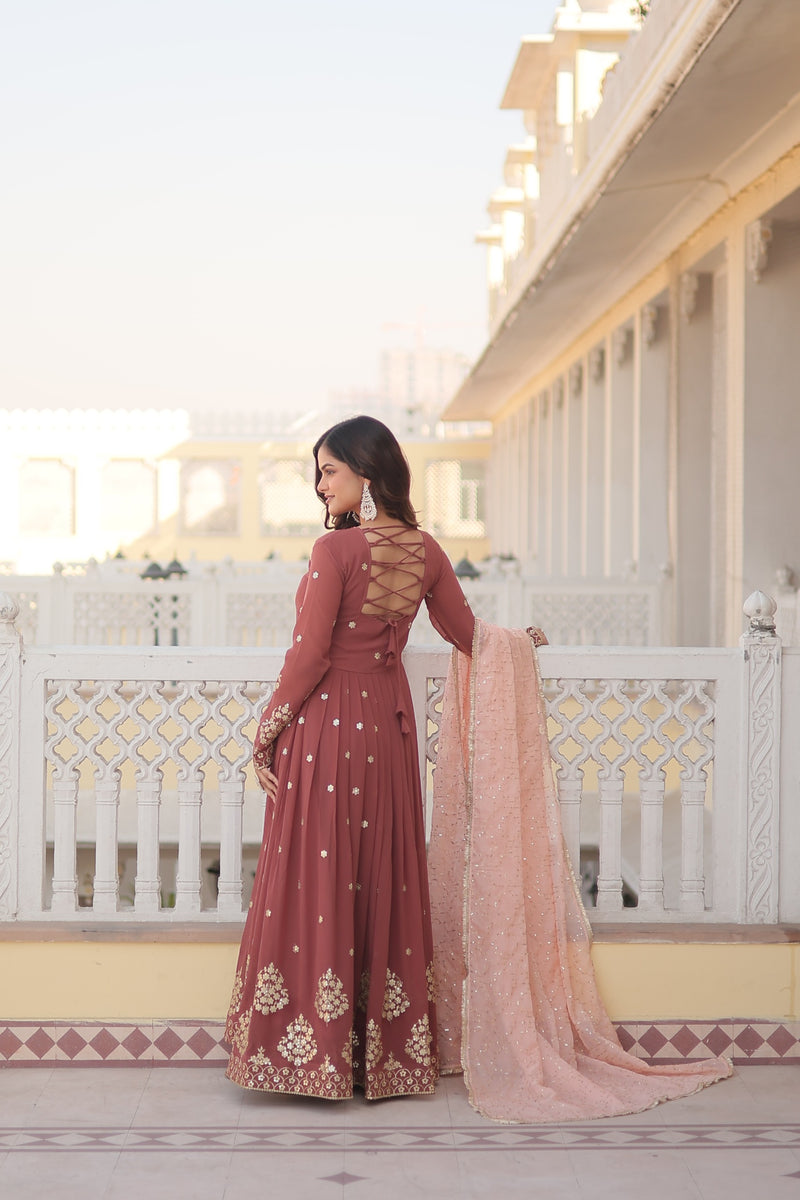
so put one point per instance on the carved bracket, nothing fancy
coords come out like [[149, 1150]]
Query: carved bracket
[[576, 378], [758, 238], [690, 282], [597, 363], [649, 317], [620, 341]]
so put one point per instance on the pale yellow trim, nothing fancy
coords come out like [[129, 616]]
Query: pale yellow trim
[[74, 981], [648, 982], [115, 981]]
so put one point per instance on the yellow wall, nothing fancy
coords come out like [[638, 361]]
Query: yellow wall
[[136, 981], [642, 981]]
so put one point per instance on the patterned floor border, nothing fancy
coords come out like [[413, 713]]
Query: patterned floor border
[[373, 1140], [198, 1043]]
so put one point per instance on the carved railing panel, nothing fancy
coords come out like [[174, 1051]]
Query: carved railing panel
[[245, 608], [259, 619], [664, 802], [130, 618], [188, 738], [620, 741]]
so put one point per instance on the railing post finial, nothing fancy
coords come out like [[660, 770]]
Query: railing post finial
[[9, 611], [760, 609]]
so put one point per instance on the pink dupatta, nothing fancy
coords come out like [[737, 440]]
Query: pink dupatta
[[518, 1007]]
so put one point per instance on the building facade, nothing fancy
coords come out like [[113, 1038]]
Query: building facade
[[644, 293]]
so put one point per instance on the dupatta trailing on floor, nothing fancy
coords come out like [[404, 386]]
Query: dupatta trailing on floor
[[518, 1007]]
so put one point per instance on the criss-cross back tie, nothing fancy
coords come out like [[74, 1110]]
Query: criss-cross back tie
[[396, 572]]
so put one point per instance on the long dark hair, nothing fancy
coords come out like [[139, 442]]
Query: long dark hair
[[372, 451]]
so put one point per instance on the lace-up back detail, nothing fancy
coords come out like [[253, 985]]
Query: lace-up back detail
[[396, 569]]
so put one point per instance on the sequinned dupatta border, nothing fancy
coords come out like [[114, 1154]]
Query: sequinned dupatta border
[[519, 1011]]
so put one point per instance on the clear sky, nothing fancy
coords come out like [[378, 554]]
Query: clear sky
[[222, 203]]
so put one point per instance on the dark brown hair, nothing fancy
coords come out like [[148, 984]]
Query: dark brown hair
[[371, 450]]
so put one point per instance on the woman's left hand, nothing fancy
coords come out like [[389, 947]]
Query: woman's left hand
[[268, 781]]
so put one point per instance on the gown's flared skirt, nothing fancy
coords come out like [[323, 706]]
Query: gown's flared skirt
[[334, 983]]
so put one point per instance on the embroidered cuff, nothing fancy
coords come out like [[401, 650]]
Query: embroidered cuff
[[536, 635], [268, 730]]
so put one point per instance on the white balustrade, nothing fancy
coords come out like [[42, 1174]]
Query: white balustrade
[[253, 605], [668, 765]]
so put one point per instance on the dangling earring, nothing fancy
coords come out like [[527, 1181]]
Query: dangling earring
[[368, 511]]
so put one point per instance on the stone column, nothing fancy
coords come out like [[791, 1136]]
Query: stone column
[[761, 741]]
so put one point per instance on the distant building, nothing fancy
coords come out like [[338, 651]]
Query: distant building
[[416, 384], [87, 484]]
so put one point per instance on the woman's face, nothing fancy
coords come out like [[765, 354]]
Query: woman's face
[[339, 486]]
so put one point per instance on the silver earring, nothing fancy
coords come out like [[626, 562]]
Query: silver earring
[[368, 511]]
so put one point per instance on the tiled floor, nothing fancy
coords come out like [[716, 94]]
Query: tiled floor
[[127, 1133]]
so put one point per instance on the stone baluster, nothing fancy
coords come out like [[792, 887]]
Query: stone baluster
[[147, 897], [149, 783], [229, 894], [65, 801], [10, 656], [190, 797], [187, 880], [611, 783], [651, 874], [560, 697], [106, 870], [762, 681], [652, 782], [694, 709]]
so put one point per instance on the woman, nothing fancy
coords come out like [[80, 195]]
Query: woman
[[334, 983]]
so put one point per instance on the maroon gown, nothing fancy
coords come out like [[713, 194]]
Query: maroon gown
[[334, 983]]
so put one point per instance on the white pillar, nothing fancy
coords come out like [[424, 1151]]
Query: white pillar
[[761, 743], [734, 435]]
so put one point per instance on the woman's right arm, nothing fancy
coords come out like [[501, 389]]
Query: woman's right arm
[[450, 613]]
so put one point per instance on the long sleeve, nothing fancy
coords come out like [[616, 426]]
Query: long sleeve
[[450, 614], [308, 657]]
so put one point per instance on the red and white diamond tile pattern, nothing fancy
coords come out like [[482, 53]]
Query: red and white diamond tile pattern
[[194, 1043], [757, 1042], [174, 1043]]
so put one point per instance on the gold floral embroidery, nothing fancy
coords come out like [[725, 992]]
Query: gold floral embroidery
[[395, 1001], [241, 1032], [271, 994], [418, 1045], [238, 989], [349, 1048], [298, 1044], [331, 999], [363, 992], [431, 978], [259, 1073], [374, 1045]]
